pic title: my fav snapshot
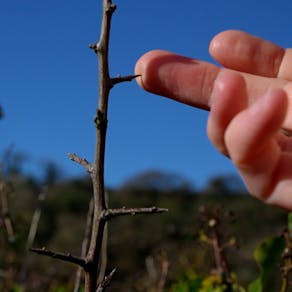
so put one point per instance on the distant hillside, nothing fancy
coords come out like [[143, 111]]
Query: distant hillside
[[135, 240]]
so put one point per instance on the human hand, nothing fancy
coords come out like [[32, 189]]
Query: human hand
[[248, 100]]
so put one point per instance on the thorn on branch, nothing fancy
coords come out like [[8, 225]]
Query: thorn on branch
[[60, 256], [120, 79], [82, 161], [108, 214], [106, 282], [94, 47]]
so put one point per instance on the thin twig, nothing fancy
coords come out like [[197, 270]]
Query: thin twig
[[113, 213], [106, 282], [32, 233], [97, 175], [85, 243], [61, 256], [120, 79], [35, 220], [82, 161]]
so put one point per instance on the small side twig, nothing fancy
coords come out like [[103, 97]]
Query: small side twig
[[61, 256], [120, 79], [109, 214], [106, 282], [82, 161]]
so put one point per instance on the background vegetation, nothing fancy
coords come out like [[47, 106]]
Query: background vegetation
[[138, 246]]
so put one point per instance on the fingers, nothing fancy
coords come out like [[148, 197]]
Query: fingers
[[250, 137], [228, 98], [247, 53], [251, 141], [250, 54], [191, 81], [183, 79]]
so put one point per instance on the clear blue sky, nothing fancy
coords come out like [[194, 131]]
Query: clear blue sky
[[48, 84]]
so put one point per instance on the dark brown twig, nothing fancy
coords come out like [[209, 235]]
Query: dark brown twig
[[60, 256]]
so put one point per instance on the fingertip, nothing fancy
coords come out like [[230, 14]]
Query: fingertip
[[143, 67], [218, 44], [140, 68]]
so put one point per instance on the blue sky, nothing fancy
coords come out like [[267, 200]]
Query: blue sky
[[48, 84]]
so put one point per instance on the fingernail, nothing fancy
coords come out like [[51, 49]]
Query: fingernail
[[139, 70]]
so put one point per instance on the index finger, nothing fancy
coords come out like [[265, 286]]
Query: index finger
[[191, 81]]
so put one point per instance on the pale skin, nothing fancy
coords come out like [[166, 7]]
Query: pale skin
[[250, 102]]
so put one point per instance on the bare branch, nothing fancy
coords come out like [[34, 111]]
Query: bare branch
[[113, 213], [82, 161], [94, 262], [97, 175], [60, 256]]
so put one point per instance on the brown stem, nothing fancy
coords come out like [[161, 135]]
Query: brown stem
[[61, 256], [85, 243], [219, 254], [102, 49], [94, 262]]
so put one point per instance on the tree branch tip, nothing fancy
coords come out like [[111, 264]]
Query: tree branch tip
[[82, 161], [60, 256], [106, 281]]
